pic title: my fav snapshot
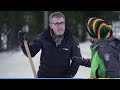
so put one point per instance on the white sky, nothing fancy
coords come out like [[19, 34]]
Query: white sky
[[15, 64]]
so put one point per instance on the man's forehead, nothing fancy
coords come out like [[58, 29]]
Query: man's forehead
[[58, 19]]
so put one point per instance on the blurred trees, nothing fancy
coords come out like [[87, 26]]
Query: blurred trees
[[77, 19], [12, 21]]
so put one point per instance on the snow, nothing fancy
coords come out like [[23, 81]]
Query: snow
[[14, 64]]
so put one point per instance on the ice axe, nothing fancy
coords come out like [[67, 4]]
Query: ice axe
[[26, 29]]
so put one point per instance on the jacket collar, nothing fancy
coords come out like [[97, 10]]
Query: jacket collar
[[109, 41]]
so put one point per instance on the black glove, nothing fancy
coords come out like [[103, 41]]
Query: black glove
[[22, 35], [86, 62]]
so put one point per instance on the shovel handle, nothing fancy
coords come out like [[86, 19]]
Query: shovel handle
[[30, 58]]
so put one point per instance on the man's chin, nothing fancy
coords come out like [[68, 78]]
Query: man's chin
[[60, 34]]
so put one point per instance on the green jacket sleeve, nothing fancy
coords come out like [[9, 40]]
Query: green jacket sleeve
[[98, 69]]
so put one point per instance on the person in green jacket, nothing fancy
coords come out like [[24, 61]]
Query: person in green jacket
[[103, 54]]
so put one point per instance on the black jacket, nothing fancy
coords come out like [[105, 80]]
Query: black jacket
[[56, 62]]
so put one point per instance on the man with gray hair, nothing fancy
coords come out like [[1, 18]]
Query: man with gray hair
[[60, 56]]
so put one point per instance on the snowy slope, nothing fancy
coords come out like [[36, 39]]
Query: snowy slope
[[15, 64]]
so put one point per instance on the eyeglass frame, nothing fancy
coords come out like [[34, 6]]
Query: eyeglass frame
[[57, 23]]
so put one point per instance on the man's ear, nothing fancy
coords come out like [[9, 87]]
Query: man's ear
[[50, 25]]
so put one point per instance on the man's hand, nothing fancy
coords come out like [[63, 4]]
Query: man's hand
[[22, 35]]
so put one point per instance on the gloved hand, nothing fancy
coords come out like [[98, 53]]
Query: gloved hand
[[22, 35], [86, 62]]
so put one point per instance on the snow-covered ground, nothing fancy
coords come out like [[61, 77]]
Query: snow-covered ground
[[14, 64]]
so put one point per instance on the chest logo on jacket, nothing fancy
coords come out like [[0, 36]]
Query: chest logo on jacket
[[66, 49], [107, 57]]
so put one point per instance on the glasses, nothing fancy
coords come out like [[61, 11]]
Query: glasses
[[57, 24]]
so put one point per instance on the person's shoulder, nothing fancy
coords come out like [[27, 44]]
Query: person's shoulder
[[71, 35], [106, 50], [40, 34], [43, 33], [69, 32], [75, 39]]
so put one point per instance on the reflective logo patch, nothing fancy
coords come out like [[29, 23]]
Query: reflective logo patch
[[107, 57], [65, 49]]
